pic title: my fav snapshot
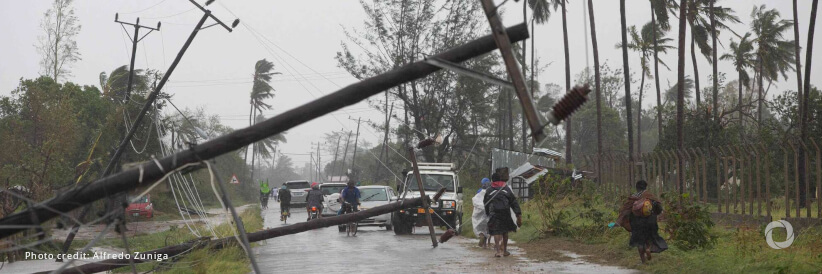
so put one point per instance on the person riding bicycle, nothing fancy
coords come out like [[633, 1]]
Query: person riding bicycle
[[265, 192], [285, 200], [350, 195], [314, 198]]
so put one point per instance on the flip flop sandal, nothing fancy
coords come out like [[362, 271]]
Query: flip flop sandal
[[497, 255], [506, 254]]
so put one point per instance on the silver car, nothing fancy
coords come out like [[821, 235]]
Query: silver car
[[374, 196]]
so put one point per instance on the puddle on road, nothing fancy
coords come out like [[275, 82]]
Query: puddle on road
[[375, 250]]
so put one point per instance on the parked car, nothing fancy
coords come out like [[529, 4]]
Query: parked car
[[141, 208], [374, 196], [298, 188], [331, 195]]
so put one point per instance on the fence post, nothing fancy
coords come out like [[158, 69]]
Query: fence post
[[726, 183], [745, 174], [767, 163], [807, 181], [796, 176], [718, 158], [787, 194], [756, 151], [732, 193], [818, 180], [695, 166], [705, 157]]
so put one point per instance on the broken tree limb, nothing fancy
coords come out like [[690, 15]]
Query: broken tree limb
[[154, 170], [171, 251]]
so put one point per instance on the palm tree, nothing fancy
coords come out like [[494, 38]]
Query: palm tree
[[703, 16], [626, 70], [265, 148], [680, 98], [260, 90], [597, 85], [798, 70], [645, 45], [541, 13], [774, 54], [114, 84], [807, 87], [742, 56], [658, 8]]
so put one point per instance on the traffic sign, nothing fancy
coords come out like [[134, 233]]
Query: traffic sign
[[234, 179]]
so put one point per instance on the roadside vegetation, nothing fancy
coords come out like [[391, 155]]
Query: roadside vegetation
[[574, 218], [231, 259]]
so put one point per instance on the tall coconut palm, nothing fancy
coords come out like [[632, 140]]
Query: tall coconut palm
[[644, 44], [115, 83], [807, 87], [703, 16], [798, 70], [260, 91], [658, 9], [680, 98], [774, 54], [541, 13], [597, 85], [742, 56], [627, 77], [265, 148]]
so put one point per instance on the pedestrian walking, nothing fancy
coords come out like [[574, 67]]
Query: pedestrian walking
[[638, 215], [478, 218], [499, 202]]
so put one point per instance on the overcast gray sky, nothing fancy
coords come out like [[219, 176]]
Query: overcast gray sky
[[301, 38]]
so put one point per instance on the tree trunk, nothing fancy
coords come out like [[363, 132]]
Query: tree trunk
[[715, 65], [508, 96], [250, 116], [656, 75], [696, 74], [680, 95], [568, 143], [798, 69], [533, 71], [597, 84], [627, 75], [253, 147], [524, 46], [759, 95], [739, 108], [639, 117], [807, 87]]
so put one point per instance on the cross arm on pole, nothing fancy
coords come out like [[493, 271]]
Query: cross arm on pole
[[220, 22]]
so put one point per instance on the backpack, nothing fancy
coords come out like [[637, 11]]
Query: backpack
[[499, 201], [642, 207]]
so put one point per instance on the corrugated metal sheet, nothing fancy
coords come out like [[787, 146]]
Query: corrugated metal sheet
[[514, 159]]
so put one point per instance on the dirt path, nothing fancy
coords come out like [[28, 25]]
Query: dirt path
[[215, 215]]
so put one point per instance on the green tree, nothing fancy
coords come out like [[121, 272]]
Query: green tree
[[645, 45], [774, 54], [742, 56], [260, 91], [57, 46], [659, 8]]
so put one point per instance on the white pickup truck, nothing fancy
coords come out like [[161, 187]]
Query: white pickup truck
[[447, 212]]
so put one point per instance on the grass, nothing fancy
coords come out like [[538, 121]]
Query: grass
[[738, 250], [231, 259]]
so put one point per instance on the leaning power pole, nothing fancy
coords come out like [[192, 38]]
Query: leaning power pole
[[134, 40], [147, 105], [336, 150], [356, 140], [345, 153]]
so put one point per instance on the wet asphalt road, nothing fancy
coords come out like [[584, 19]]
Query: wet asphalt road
[[376, 250]]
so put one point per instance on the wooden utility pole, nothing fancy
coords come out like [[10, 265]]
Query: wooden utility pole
[[319, 164], [345, 153], [425, 206], [356, 141], [336, 150]]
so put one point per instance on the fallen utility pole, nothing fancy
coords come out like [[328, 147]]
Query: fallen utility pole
[[121, 148], [506, 51], [151, 171], [171, 251], [426, 207]]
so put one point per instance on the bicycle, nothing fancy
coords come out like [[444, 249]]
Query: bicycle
[[351, 229], [284, 214]]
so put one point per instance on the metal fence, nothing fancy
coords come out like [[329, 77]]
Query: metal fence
[[738, 179]]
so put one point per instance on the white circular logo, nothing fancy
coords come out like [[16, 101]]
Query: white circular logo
[[769, 234]]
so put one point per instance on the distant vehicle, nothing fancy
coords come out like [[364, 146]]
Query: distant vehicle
[[141, 208], [298, 188], [331, 195], [449, 208], [374, 196]]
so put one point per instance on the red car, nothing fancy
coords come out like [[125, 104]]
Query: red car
[[141, 208]]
